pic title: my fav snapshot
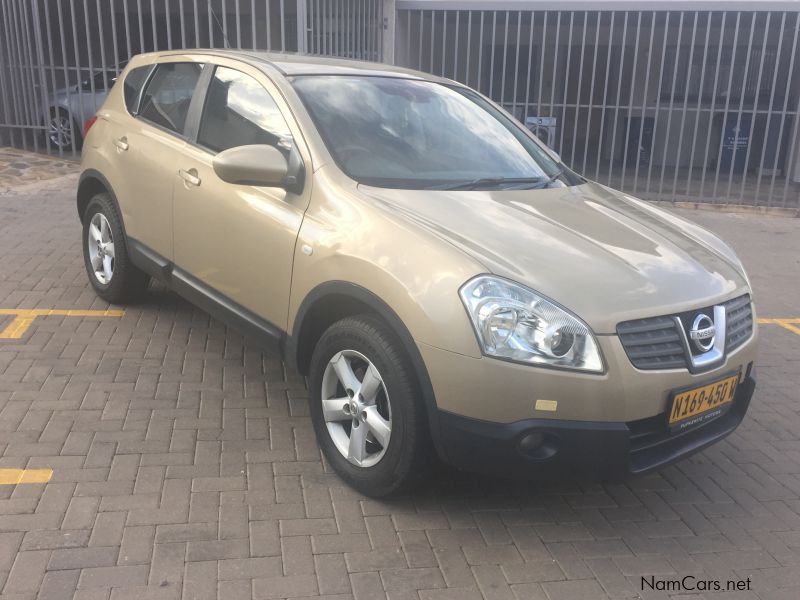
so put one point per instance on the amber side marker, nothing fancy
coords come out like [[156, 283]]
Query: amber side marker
[[792, 325], [15, 476], [24, 318]]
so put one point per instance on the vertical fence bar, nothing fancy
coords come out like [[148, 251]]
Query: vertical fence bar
[[645, 101], [776, 70], [660, 93], [25, 86], [555, 75], [101, 31], [792, 151], [528, 75], [580, 88], [720, 46], [283, 25], [444, 42], [13, 77], [595, 54], [491, 55], [756, 97], [36, 20], [480, 54], [64, 59], [7, 121], [505, 61], [685, 107], [617, 96], [563, 119], [745, 76], [33, 108], [115, 37], [53, 85], [78, 70], [540, 85], [699, 110], [735, 47], [670, 110], [604, 103], [629, 106]]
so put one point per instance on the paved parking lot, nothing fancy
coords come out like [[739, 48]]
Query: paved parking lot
[[184, 465]]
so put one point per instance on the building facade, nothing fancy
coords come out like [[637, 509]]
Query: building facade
[[670, 100]]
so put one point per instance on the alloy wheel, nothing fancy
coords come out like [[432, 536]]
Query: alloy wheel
[[101, 248], [60, 131], [356, 408]]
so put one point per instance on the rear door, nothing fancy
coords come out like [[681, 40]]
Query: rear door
[[147, 148], [239, 240]]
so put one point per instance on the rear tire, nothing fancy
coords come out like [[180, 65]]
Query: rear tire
[[384, 392], [112, 275]]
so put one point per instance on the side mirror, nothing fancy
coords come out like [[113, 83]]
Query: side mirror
[[259, 165]]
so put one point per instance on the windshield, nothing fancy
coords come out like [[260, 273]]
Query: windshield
[[413, 134]]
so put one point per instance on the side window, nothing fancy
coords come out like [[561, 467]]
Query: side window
[[168, 95], [238, 112], [132, 86]]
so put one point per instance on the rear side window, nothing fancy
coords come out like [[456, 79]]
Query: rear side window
[[167, 97], [238, 112], [133, 86]]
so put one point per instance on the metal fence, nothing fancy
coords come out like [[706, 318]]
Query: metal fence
[[346, 28], [58, 57], [676, 105]]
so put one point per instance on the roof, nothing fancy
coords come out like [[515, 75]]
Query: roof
[[593, 5], [289, 63]]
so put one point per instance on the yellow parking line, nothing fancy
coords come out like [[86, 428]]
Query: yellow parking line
[[24, 318], [15, 476], [790, 324]]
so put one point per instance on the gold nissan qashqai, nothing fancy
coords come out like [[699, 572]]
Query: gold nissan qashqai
[[448, 287]]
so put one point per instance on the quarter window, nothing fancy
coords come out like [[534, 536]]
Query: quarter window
[[132, 86], [240, 112], [168, 95]]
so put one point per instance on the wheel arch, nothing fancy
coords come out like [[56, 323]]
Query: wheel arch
[[91, 183], [335, 300]]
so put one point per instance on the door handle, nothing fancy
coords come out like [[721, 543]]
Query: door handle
[[190, 176], [121, 143]]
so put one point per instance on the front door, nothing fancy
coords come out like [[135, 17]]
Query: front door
[[237, 239]]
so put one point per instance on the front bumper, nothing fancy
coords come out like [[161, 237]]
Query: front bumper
[[598, 449]]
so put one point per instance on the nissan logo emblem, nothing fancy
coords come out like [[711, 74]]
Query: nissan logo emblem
[[702, 332]]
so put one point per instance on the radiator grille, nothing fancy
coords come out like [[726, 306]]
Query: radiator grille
[[739, 319], [653, 343], [656, 342]]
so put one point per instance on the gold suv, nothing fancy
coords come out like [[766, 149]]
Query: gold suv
[[446, 284]]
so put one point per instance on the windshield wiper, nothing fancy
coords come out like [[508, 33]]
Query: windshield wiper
[[544, 183], [487, 181]]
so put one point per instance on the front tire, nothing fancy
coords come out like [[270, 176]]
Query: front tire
[[112, 275], [365, 407]]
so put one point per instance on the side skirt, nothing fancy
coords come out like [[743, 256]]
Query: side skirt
[[268, 336]]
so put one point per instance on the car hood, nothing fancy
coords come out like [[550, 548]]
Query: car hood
[[606, 256]]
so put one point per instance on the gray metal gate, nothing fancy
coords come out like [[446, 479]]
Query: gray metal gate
[[346, 28], [676, 105], [58, 57]]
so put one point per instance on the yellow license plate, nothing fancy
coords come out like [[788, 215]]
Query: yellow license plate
[[702, 403]]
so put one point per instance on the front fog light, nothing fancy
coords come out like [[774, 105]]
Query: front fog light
[[516, 323]]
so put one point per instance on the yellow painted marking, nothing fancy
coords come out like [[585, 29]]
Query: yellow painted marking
[[548, 405], [23, 318], [792, 325], [15, 476]]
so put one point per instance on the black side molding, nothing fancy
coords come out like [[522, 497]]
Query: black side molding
[[266, 335]]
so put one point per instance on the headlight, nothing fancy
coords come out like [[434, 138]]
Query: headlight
[[516, 323]]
